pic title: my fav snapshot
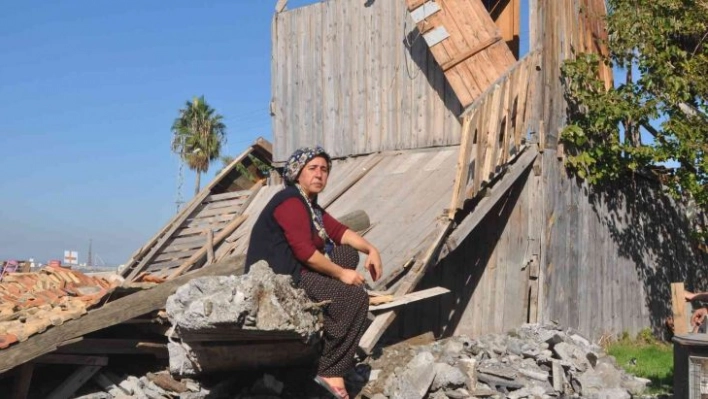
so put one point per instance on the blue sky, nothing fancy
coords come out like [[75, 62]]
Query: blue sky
[[88, 91]]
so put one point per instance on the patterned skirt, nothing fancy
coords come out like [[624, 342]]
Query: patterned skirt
[[344, 319]]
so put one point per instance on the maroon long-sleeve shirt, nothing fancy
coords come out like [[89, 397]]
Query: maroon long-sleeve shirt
[[294, 218]]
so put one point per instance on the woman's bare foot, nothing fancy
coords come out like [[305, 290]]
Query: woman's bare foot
[[337, 383]]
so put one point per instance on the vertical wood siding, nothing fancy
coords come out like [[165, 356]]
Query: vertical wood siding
[[608, 256], [345, 77]]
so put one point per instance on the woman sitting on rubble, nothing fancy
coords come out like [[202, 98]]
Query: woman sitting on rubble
[[297, 237]]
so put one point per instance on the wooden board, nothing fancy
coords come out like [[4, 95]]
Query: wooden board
[[409, 298], [678, 307]]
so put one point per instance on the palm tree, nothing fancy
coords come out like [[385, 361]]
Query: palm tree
[[197, 136]]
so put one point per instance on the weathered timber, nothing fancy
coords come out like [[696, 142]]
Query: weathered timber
[[22, 382], [488, 202], [75, 381], [678, 307], [408, 298]]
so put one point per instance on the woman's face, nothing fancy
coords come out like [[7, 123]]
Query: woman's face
[[313, 177]]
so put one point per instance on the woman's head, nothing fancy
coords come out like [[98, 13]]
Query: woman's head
[[310, 167]]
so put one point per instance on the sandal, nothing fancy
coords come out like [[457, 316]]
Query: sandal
[[337, 392]]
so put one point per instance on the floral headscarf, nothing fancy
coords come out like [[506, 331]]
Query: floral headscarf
[[299, 159]]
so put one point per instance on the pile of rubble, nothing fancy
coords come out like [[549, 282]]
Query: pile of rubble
[[533, 361]]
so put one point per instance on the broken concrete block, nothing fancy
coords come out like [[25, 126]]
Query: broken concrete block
[[612, 393], [635, 385], [260, 300], [447, 377]]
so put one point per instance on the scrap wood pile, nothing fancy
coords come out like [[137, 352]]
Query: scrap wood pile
[[32, 302]]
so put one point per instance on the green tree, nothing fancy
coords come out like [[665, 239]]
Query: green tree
[[661, 45], [198, 134]]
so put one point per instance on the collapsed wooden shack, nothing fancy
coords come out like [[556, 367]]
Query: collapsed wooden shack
[[451, 147]]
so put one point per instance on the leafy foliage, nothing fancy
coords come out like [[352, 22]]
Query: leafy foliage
[[198, 134], [661, 44]]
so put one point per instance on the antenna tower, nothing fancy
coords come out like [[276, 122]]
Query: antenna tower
[[89, 262], [180, 182]]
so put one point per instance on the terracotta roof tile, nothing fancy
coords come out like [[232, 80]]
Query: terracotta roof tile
[[32, 302]]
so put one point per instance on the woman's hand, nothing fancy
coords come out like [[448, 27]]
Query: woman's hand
[[351, 277], [373, 264], [698, 316], [689, 296]]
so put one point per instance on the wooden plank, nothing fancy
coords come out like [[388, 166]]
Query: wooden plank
[[409, 298], [225, 204], [203, 222], [280, 6], [678, 307], [226, 333], [75, 381], [22, 381], [210, 213], [461, 57], [210, 247], [187, 231], [383, 320], [462, 168], [83, 360], [227, 196], [111, 346], [202, 252], [487, 203], [360, 175], [182, 254], [126, 308]]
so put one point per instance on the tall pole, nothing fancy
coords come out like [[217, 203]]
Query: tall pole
[[89, 263]]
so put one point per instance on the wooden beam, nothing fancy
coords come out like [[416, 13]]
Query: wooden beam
[[118, 311], [409, 298], [23, 379], [210, 246], [462, 168], [462, 57], [75, 381], [678, 306], [114, 346], [83, 360], [280, 6]]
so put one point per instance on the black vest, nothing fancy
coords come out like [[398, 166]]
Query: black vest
[[268, 240]]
